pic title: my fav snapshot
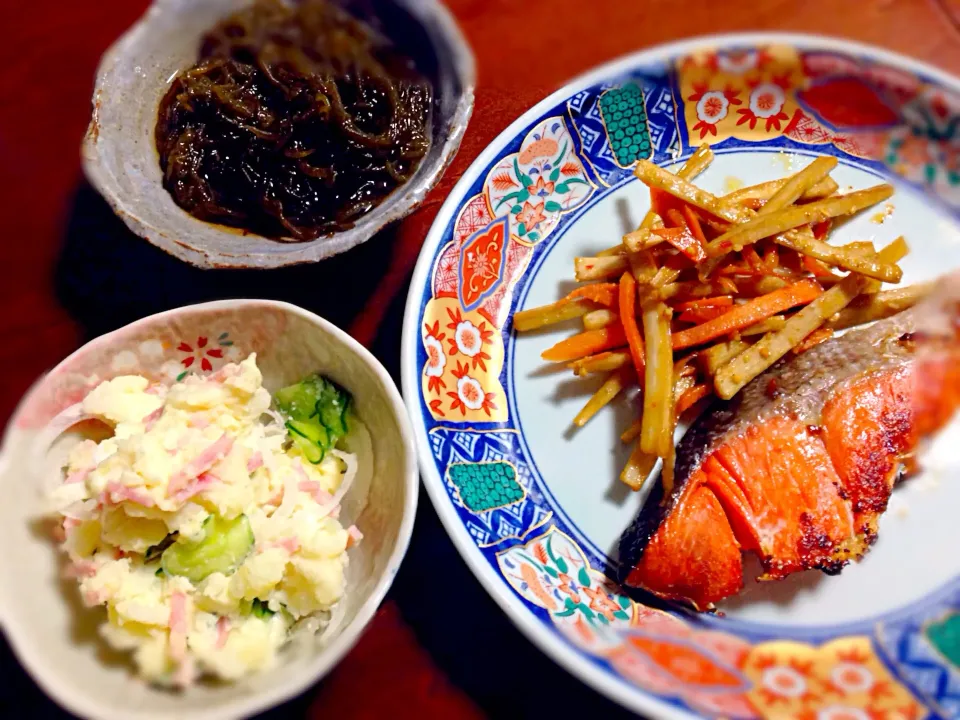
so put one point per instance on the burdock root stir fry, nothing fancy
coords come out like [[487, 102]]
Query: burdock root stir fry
[[295, 122]]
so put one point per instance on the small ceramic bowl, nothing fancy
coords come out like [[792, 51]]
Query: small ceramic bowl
[[55, 637], [120, 156]]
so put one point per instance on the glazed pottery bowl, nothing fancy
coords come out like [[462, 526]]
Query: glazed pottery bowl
[[121, 160], [55, 637]]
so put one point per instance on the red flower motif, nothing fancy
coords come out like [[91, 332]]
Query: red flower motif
[[455, 319], [461, 370], [503, 181], [540, 188], [729, 92], [436, 407], [469, 394], [712, 106], [565, 582], [434, 330], [531, 215], [201, 353], [485, 337], [601, 603], [435, 384]]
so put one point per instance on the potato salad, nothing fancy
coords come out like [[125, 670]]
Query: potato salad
[[207, 524]]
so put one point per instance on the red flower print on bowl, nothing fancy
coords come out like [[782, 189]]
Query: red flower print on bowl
[[201, 352]]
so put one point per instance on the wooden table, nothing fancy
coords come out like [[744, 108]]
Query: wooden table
[[440, 647]]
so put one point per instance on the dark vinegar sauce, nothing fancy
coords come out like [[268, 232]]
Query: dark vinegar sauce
[[294, 123]]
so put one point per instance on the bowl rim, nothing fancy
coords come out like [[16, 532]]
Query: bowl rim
[[400, 203], [87, 705]]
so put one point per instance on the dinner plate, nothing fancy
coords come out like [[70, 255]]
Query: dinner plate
[[536, 509]]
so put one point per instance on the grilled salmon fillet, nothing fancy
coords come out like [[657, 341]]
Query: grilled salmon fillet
[[800, 465]]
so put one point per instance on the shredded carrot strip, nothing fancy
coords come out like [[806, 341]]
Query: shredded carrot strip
[[734, 268], [628, 316], [750, 313], [718, 301], [815, 338], [676, 218], [684, 241], [586, 343], [821, 229], [702, 315], [662, 202], [603, 293], [691, 397], [693, 222]]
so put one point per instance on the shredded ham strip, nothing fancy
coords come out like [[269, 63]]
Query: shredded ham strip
[[255, 461], [200, 464], [77, 477], [150, 420], [313, 488], [178, 626], [290, 544], [92, 598], [185, 673], [354, 536], [199, 420], [223, 631], [81, 568], [118, 493], [194, 487]]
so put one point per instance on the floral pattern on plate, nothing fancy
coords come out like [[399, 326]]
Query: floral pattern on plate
[[538, 184], [864, 108]]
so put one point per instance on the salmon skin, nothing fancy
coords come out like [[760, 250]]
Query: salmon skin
[[798, 467]]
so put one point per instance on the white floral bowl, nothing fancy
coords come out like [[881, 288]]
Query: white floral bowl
[[120, 156], [55, 637]]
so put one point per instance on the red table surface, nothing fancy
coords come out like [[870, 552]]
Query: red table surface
[[524, 51]]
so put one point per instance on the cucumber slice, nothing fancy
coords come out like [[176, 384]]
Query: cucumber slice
[[299, 401], [332, 409], [316, 411], [314, 432], [311, 451], [224, 546], [311, 438]]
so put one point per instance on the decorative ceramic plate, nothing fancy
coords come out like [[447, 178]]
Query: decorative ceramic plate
[[536, 509]]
